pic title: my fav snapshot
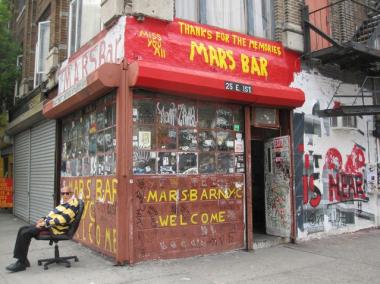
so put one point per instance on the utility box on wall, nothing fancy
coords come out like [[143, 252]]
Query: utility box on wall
[[161, 9]]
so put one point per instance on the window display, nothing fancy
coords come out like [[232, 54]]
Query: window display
[[181, 136], [89, 139]]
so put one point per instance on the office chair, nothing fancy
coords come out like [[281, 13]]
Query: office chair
[[65, 237]]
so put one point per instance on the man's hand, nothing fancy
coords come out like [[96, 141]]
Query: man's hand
[[40, 223]]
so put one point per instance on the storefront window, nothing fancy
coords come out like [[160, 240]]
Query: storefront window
[[181, 136], [89, 140]]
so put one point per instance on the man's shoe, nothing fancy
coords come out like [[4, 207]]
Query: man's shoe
[[16, 267]]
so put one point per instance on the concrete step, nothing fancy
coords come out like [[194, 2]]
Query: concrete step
[[266, 241]]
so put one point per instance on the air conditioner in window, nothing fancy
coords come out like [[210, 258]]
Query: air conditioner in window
[[111, 9]]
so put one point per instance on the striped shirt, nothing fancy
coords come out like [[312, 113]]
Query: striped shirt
[[62, 216]]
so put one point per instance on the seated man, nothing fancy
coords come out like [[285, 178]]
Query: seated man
[[56, 222]]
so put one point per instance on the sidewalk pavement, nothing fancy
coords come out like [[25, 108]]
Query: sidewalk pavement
[[349, 258]]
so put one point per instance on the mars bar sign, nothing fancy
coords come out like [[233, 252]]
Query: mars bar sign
[[106, 47]]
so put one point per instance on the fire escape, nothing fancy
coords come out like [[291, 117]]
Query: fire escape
[[346, 33]]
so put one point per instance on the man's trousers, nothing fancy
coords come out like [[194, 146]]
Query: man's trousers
[[24, 236]]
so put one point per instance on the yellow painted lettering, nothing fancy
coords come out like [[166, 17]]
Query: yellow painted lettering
[[97, 235], [244, 63], [181, 221], [90, 232], [184, 195], [173, 195], [163, 196], [213, 194], [88, 187], [222, 194], [230, 56], [204, 194], [213, 56], [107, 194], [255, 66], [80, 188], [221, 216], [107, 241], [239, 193], [214, 218], [192, 219], [222, 58], [263, 66], [114, 189], [152, 195], [200, 49], [204, 218], [114, 240], [193, 194], [98, 188], [173, 220], [92, 211], [163, 222]]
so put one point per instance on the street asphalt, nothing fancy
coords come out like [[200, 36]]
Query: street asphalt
[[348, 258]]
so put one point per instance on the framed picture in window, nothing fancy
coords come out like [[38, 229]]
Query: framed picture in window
[[265, 117]]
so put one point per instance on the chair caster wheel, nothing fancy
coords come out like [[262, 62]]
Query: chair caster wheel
[[68, 265], [39, 263], [46, 268], [76, 259]]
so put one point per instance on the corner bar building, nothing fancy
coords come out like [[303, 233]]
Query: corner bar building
[[168, 130]]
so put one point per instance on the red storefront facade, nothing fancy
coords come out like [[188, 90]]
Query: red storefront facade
[[157, 124]]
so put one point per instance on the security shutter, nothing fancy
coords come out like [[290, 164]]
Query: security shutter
[[21, 174], [42, 170]]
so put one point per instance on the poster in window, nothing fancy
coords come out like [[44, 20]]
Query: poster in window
[[100, 142], [224, 118], [167, 163], [188, 163], [207, 140], [239, 164], [86, 166], [188, 140], [144, 162], [143, 111], [167, 138], [92, 145], [108, 139], [207, 115], [207, 163], [93, 163], [225, 141], [108, 164], [225, 163], [100, 165], [145, 140]]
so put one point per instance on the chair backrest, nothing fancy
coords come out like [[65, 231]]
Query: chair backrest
[[75, 224]]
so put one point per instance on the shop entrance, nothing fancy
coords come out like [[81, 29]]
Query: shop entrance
[[271, 182]]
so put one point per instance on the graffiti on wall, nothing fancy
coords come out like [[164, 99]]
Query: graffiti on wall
[[180, 215], [334, 188], [97, 228], [6, 193]]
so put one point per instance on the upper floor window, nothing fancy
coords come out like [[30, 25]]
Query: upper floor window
[[84, 22], [344, 121], [42, 52], [253, 17]]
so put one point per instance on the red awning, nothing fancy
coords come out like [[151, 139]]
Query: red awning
[[189, 82]]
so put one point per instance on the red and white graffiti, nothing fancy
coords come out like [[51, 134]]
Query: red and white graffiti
[[344, 183]]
